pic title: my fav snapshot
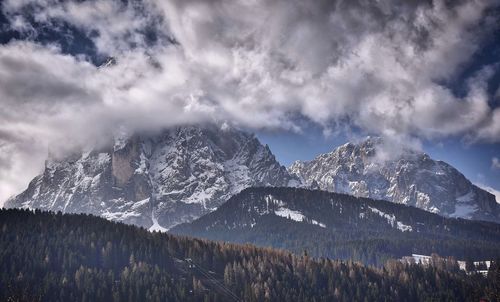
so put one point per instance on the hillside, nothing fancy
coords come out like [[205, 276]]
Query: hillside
[[341, 226], [56, 257]]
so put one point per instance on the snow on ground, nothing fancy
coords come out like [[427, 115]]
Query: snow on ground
[[103, 159], [140, 203], [434, 210], [270, 199], [423, 200], [122, 210], [296, 216], [290, 214], [156, 226], [119, 216], [198, 196], [391, 219], [237, 174], [403, 227], [142, 168], [318, 223], [287, 213]]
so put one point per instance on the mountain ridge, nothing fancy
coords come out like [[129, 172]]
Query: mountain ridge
[[341, 226], [179, 174], [156, 180], [411, 178]]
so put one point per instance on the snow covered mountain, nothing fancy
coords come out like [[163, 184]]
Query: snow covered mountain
[[413, 178], [156, 181]]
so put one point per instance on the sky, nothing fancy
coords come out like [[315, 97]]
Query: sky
[[306, 76]]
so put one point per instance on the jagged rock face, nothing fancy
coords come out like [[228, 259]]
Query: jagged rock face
[[156, 181], [412, 179]]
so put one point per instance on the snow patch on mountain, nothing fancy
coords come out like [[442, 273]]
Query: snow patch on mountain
[[125, 210], [391, 219], [156, 227], [290, 214], [283, 211]]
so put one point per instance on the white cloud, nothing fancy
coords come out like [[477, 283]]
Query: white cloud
[[495, 163], [378, 67], [491, 190]]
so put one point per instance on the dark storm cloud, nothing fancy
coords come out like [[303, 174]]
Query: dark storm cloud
[[378, 66]]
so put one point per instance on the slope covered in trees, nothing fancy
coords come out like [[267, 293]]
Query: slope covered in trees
[[54, 257], [341, 226]]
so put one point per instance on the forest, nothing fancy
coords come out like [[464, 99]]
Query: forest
[[353, 228], [48, 256]]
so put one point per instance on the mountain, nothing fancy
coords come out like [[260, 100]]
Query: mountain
[[177, 175], [69, 257], [411, 178], [342, 226], [156, 180]]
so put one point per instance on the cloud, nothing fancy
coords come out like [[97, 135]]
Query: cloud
[[495, 163], [379, 67], [491, 190]]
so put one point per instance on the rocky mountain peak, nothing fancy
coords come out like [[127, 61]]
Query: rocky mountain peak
[[368, 169], [156, 180]]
